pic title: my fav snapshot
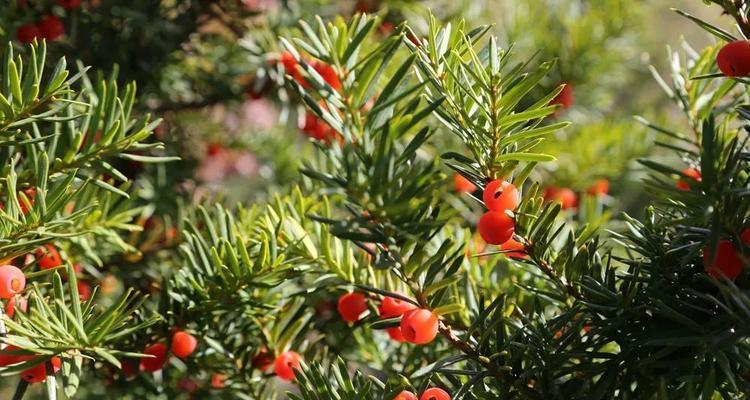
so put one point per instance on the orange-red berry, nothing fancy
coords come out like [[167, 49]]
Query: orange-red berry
[[48, 257], [435, 394], [183, 344], [30, 194], [462, 185], [734, 58], [566, 97], [12, 281], [419, 326], [395, 334], [693, 173], [351, 306], [84, 290], [263, 359], [286, 363], [405, 395], [392, 307], [217, 381], [27, 33], [155, 363], [6, 358], [51, 27], [725, 261], [38, 373], [15, 302], [514, 249], [501, 196], [599, 188], [496, 227], [328, 73]]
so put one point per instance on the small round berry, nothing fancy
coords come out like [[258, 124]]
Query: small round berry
[[568, 198], [12, 281], [328, 73], [693, 173], [419, 326], [291, 66], [51, 28], [463, 185], [734, 58], [405, 395], [69, 4], [599, 188], [392, 307], [285, 365], [6, 358], [183, 344], [514, 249], [351, 306], [395, 334], [16, 302], [435, 394], [129, 368], [263, 360], [496, 227], [30, 194], [84, 290], [38, 373], [566, 97], [155, 363], [501, 196], [724, 262], [48, 257], [27, 33], [217, 381]]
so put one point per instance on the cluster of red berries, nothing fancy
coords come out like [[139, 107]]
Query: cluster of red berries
[[49, 27], [417, 325], [497, 225], [568, 198], [183, 345], [734, 58], [429, 394]]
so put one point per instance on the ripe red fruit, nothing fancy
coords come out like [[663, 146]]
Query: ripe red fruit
[[566, 97], [351, 306], [84, 290], [328, 73], [435, 394], [217, 380], [159, 351], [496, 227], [263, 359], [405, 395], [500, 196], [38, 373], [419, 326], [12, 281], [51, 27], [724, 262], [27, 33], [462, 185], [183, 344], [566, 196], [48, 257], [734, 58], [285, 365], [291, 66], [392, 307], [395, 334], [13, 303], [129, 368], [69, 4], [7, 359], [30, 194], [514, 249], [693, 173], [599, 188], [318, 129]]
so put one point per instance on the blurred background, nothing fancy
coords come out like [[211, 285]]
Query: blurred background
[[213, 70]]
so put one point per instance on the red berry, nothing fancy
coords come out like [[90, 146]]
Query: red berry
[[84, 290], [693, 173], [30, 194], [27, 33], [724, 262], [263, 359], [38, 373], [51, 27], [69, 4], [395, 334], [419, 326], [514, 249], [183, 344], [13, 303], [500, 196], [566, 97], [155, 363], [599, 188], [12, 281], [217, 380], [328, 73], [318, 129], [129, 368], [48, 257], [7, 359], [285, 365], [435, 394], [214, 149], [734, 58], [462, 185], [745, 236], [496, 227], [351, 306], [291, 66], [405, 395], [392, 307]]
